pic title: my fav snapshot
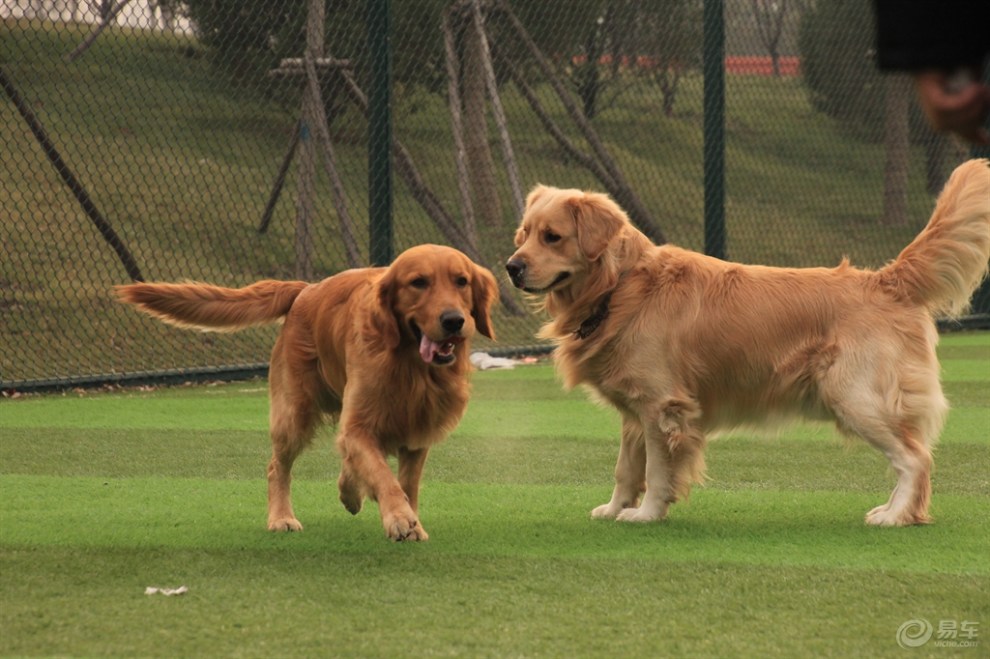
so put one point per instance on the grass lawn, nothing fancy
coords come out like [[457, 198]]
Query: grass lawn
[[106, 494]]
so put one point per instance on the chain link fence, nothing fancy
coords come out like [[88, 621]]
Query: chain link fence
[[233, 140]]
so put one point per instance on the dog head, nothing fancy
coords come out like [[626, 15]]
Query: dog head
[[564, 240], [436, 298]]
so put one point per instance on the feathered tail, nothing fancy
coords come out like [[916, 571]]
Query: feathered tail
[[207, 307], [945, 263]]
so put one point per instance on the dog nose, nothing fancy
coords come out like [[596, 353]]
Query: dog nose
[[451, 321], [516, 269]]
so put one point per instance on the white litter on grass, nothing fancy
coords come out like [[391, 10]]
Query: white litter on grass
[[168, 592], [486, 362]]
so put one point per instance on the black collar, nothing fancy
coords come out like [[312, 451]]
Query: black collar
[[595, 320]]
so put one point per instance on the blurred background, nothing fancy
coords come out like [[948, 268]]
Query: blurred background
[[233, 140]]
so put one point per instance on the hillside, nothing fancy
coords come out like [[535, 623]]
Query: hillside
[[181, 162]]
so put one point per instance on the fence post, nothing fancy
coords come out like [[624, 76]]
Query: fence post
[[380, 132], [714, 127], [981, 298], [306, 194]]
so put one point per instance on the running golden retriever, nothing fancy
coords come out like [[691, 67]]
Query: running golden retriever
[[683, 344], [382, 350]]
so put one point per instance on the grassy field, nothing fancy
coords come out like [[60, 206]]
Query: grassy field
[[106, 494]]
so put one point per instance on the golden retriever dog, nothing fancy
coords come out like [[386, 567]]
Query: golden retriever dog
[[683, 344], [383, 351]]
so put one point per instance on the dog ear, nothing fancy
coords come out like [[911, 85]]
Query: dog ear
[[484, 291], [383, 318], [598, 220]]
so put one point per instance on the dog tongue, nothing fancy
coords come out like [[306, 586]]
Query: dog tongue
[[428, 348]]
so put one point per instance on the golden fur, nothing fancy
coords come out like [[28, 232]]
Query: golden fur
[[683, 344], [382, 350]]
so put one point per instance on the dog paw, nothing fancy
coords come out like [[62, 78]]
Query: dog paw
[[284, 524], [885, 516], [404, 526], [351, 492], [417, 534], [642, 514], [606, 511], [352, 502]]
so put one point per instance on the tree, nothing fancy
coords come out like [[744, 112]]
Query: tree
[[613, 42], [478, 154], [670, 36], [897, 99], [769, 16], [835, 40]]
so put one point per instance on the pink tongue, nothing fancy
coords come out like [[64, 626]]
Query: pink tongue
[[427, 349]]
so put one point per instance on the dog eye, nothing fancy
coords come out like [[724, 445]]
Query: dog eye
[[551, 237], [461, 282], [420, 283]]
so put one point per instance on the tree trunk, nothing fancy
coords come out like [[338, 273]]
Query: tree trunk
[[481, 164], [897, 95], [457, 129]]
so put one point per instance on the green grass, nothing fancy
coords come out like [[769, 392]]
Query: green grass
[[106, 494]]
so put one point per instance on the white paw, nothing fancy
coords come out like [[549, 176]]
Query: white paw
[[606, 511], [883, 516], [641, 514]]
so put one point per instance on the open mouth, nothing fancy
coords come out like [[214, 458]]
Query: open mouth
[[440, 352], [561, 277]]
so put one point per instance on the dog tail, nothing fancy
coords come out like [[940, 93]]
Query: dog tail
[[945, 263], [206, 307]]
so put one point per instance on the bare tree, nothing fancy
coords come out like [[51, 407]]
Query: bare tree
[[897, 100], [108, 12], [769, 16], [480, 162]]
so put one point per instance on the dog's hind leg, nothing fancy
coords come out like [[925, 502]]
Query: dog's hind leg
[[291, 432], [630, 471], [912, 463], [293, 418], [906, 440]]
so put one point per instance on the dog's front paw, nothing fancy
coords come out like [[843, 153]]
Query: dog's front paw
[[403, 525], [606, 511], [351, 492], [352, 501], [643, 514], [284, 524]]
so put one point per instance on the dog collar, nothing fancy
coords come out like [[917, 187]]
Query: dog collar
[[594, 321]]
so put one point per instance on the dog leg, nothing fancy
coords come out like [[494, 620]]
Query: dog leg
[[291, 431], [410, 471], [365, 462], [658, 495], [352, 490], [910, 459], [280, 514], [674, 459], [630, 468], [908, 503]]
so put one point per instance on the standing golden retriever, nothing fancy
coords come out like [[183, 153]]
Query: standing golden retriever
[[382, 350], [683, 344]]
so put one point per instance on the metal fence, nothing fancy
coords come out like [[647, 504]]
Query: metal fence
[[233, 140]]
